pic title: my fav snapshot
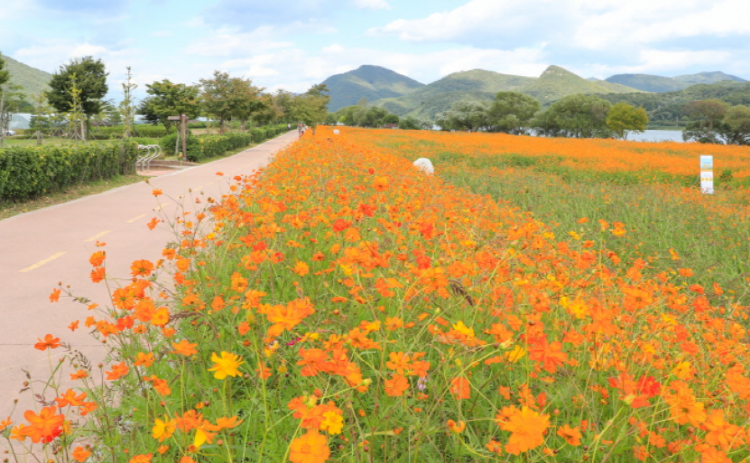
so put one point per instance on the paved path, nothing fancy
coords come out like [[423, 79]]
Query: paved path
[[41, 248]]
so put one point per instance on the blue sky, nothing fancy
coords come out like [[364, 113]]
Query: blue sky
[[296, 43]]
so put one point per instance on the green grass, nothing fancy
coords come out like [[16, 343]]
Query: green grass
[[709, 234], [10, 209]]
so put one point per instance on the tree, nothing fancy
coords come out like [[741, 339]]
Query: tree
[[581, 116], [706, 115], [464, 115], [312, 106], [225, 96], [248, 100], [735, 127], [127, 105], [4, 75], [90, 80], [624, 118], [412, 123], [390, 119], [512, 111], [168, 99]]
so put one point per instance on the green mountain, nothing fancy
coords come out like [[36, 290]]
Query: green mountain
[[475, 85], [480, 85], [556, 82], [31, 79], [371, 82], [708, 78], [649, 83]]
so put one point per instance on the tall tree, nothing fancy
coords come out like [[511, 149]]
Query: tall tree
[[167, 99], [512, 111], [464, 115], [216, 97], [4, 77], [581, 116], [706, 115], [624, 118], [91, 81], [312, 106], [735, 127], [247, 100]]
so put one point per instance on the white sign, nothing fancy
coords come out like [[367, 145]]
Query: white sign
[[336, 131], [707, 174]]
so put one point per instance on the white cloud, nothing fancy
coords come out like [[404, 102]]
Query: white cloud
[[594, 25], [162, 34], [372, 4]]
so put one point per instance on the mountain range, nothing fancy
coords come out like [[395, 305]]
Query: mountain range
[[403, 96], [31, 79]]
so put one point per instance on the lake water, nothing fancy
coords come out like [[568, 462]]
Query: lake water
[[657, 135]]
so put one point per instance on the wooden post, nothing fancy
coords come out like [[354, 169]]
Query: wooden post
[[38, 138], [184, 120]]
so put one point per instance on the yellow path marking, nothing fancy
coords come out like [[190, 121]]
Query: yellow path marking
[[162, 206], [97, 236], [42, 262], [136, 218], [209, 183]]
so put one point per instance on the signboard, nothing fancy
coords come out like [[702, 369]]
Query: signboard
[[174, 118], [707, 174]]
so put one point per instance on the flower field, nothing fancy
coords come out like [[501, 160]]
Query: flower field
[[343, 306]]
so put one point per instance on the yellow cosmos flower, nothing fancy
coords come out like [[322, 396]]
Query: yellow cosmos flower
[[163, 430], [226, 365], [333, 423]]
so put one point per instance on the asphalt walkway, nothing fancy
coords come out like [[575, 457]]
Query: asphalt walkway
[[41, 248]]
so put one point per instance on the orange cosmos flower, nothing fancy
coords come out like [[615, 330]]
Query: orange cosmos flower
[[185, 348], [142, 458], [527, 428], [97, 274], [571, 435], [301, 269], [143, 359], [396, 386], [55, 296], [380, 184], [456, 427], [97, 258], [153, 223], [80, 454], [142, 268], [49, 342], [156, 192], [44, 426], [117, 371], [312, 447], [460, 388], [73, 326], [80, 374]]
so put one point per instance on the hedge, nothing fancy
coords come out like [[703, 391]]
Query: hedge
[[34, 171], [208, 146], [139, 130]]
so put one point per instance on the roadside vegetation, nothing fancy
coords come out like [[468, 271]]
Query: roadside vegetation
[[366, 311]]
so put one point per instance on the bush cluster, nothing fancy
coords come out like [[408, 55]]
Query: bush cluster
[[208, 146], [33, 171]]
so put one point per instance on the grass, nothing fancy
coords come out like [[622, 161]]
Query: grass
[[10, 209]]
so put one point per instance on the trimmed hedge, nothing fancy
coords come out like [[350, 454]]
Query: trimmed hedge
[[140, 130], [208, 146], [34, 171]]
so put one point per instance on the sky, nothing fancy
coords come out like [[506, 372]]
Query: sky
[[293, 44]]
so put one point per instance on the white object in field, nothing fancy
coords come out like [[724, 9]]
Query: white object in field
[[707, 174], [424, 165], [337, 131]]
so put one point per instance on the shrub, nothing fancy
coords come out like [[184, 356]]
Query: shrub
[[33, 171]]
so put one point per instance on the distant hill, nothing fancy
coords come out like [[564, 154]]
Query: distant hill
[[556, 82], [475, 85], [708, 78], [649, 83], [480, 85], [371, 82], [31, 79]]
